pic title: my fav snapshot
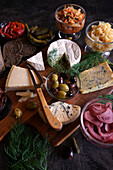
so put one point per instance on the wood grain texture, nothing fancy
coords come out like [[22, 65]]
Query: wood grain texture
[[52, 120], [31, 117]]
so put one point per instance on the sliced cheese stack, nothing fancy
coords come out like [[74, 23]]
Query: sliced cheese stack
[[37, 61], [19, 79], [96, 78], [66, 113], [59, 47]]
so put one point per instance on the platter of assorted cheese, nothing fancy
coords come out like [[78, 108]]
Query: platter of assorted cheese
[[18, 85]]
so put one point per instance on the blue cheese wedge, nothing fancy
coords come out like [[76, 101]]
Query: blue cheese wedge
[[96, 78], [37, 61], [65, 113], [19, 79], [59, 47]]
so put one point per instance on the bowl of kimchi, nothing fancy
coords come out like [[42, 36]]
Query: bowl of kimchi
[[70, 18], [96, 122]]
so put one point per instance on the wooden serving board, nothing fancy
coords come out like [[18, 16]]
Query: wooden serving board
[[32, 117]]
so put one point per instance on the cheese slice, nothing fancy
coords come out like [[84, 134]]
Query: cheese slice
[[65, 113], [96, 78], [37, 61], [19, 79], [61, 46]]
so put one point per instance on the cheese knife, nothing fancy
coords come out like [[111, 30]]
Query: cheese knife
[[52, 120]]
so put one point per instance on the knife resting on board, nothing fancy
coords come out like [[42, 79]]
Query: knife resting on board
[[52, 120]]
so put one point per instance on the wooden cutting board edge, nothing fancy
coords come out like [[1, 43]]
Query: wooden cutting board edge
[[57, 140]]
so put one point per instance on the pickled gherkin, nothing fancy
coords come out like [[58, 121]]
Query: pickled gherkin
[[43, 36], [33, 29], [40, 36], [41, 31]]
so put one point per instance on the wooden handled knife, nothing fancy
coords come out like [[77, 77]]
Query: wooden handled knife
[[52, 120]]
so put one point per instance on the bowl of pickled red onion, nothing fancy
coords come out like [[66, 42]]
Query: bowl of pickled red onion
[[96, 122]]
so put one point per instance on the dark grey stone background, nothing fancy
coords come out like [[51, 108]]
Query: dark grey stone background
[[41, 12]]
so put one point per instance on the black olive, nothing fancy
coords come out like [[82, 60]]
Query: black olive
[[73, 79], [54, 91], [64, 75], [69, 153], [70, 93], [72, 85], [61, 80]]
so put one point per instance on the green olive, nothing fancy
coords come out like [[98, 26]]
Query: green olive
[[61, 94], [55, 84], [54, 77], [63, 87], [18, 112], [31, 105], [67, 81]]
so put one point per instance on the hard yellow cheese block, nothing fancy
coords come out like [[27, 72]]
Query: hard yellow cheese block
[[96, 78], [19, 79]]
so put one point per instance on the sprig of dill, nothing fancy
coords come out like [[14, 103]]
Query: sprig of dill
[[27, 149], [88, 60], [110, 96]]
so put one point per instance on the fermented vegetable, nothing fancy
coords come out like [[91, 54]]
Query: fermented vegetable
[[40, 36]]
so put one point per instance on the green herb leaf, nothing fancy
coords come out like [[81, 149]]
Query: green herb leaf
[[27, 149], [110, 96], [89, 60]]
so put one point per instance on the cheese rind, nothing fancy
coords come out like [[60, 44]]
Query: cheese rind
[[19, 79], [37, 61], [65, 113], [96, 78], [59, 47]]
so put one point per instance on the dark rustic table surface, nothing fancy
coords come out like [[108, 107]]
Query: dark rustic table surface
[[41, 12]]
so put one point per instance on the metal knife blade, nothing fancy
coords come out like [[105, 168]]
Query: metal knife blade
[[36, 72]]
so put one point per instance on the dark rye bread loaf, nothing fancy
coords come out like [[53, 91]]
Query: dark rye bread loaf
[[11, 53], [14, 50], [28, 48]]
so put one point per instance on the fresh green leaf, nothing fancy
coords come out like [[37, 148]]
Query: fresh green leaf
[[27, 149], [110, 96], [88, 60]]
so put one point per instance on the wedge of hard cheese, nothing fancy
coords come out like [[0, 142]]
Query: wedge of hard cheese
[[19, 79], [37, 61], [66, 113], [96, 78]]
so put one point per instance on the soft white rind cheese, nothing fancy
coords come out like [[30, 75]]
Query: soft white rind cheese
[[19, 79], [37, 61], [65, 113], [96, 78], [70, 48]]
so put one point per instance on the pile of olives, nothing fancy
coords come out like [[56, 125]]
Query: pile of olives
[[62, 85]]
